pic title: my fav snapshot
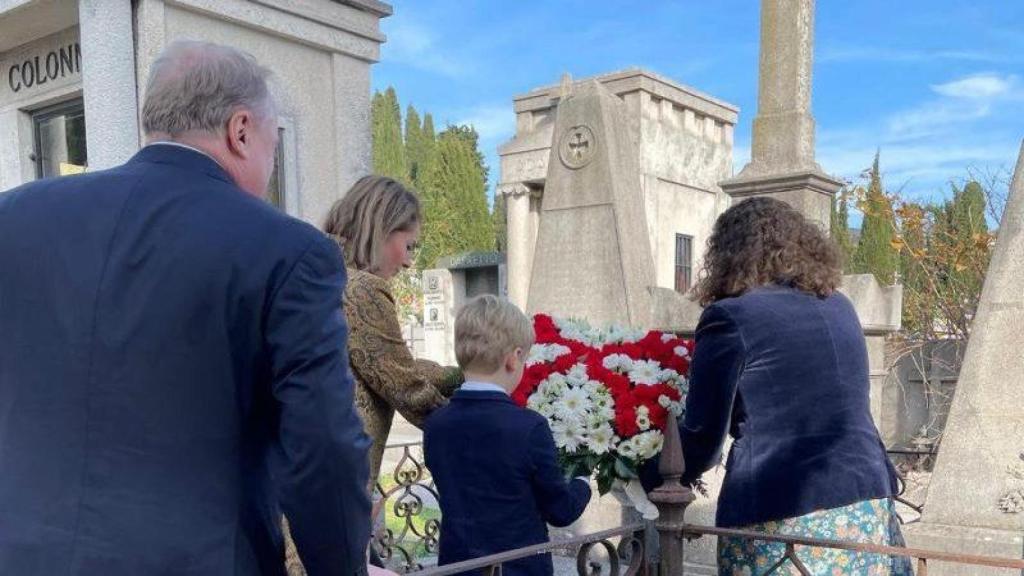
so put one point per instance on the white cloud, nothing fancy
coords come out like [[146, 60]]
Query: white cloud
[[935, 117], [414, 45], [958, 103], [980, 87], [920, 168], [926, 146]]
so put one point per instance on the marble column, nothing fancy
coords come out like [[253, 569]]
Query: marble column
[[522, 236], [108, 82]]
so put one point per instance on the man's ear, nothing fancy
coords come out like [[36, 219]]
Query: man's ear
[[240, 131]]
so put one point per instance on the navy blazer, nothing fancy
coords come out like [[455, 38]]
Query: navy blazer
[[172, 368], [785, 373], [496, 471]]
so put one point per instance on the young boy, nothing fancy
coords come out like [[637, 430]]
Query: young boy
[[494, 463]]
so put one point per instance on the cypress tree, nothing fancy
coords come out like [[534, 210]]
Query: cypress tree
[[428, 130], [961, 227], [415, 146], [875, 253], [456, 218], [469, 135], [969, 211], [388, 147], [841, 227], [499, 212]]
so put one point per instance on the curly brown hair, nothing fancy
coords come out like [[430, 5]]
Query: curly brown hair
[[765, 241]]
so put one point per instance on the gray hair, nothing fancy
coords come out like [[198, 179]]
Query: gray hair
[[197, 86]]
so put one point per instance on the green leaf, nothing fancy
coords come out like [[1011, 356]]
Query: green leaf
[[625, 469], [604, 483]]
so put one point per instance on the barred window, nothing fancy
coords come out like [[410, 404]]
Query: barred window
[[684, 262]]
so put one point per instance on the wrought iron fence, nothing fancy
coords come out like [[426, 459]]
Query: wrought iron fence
[[790, 557], [408, 535], [624, 558], [407, 525]]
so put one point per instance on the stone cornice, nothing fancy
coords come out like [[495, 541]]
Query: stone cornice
[[813, 179]]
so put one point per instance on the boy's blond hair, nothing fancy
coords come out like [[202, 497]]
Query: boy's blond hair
[[486, 329]]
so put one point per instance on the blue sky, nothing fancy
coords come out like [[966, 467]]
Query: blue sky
[[937, 85]]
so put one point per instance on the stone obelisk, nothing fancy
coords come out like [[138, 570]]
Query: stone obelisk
[[593, 256], [782, 161], [981, 458]]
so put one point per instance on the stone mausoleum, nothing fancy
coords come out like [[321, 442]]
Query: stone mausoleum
[[73, 75], [683, 141]]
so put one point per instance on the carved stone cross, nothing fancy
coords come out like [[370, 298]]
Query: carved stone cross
[[579, 144]]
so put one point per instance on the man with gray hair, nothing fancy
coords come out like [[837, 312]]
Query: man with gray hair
[[173, 362]]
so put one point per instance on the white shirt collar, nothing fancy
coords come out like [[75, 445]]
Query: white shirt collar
[[482, 387], [186, 146]]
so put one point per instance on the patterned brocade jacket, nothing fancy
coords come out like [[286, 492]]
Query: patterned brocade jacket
[[387, 377]]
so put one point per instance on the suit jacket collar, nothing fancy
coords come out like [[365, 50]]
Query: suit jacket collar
[[477, 396], [182, 157]]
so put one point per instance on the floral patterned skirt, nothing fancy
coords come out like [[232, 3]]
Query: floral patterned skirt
[[870, 521]]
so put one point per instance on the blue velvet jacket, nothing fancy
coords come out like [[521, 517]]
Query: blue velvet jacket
[[496, 471], [786, 375]]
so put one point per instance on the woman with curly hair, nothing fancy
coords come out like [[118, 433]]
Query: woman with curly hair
[[781, 366]]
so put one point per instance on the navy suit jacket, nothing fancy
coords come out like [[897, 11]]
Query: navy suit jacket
[[496, 471], [786, 374], [173, 373]]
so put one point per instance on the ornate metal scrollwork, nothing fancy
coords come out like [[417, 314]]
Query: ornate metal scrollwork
[[416, 538], [630, 549]]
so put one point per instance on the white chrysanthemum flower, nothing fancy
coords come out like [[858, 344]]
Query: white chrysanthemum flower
[[535, 401], [574, 401], [616, 333], [626, 448], [668, 375], [647, 444], [595, 420], [552, 387], [544, 353], [617, 362], [577, 375], [633, 336], [599, 440], [676, 382], [676, 408], [666, 337], [568, 435], [643, 418], [602, 401], [644, 372], [681, 351], [580, 331], [664, 401]]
